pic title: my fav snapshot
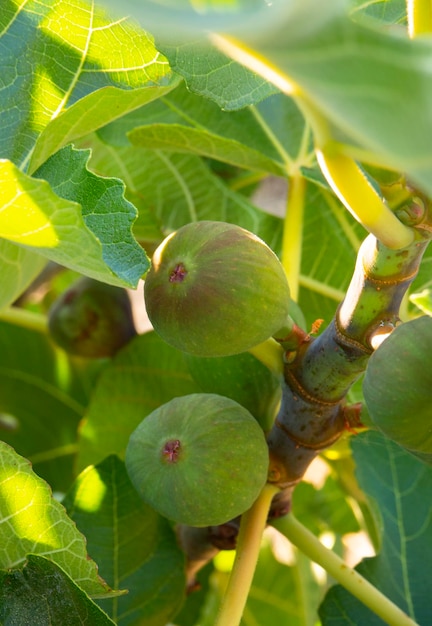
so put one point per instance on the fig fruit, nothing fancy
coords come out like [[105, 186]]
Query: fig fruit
[[215, 289], [92, 319], [199, 460], [397, 387]]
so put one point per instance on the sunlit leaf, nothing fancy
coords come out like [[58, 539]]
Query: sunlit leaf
[[32, 522], [56, 57], [75, 221], [134, 547]]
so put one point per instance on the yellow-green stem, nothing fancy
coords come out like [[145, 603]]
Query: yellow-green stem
[[349, 578], [360, 198], [270, 353], [293, 232], [419, 14], [24, 318], [248, 546]]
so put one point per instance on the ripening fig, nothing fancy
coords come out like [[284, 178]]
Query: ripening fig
[[397, 387], [199, 460], [92, 319], [215, 289]]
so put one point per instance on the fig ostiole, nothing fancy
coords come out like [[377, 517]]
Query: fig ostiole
[[92, 319], [199, 460], [215, 289]]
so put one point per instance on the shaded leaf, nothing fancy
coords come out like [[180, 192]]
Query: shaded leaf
[[324, 509], [353, 75], [141, 377], [171, 190], [330, 242], [206, 70], [43, 594], [55, 57], [393, 12], [32, 522], [281, 591], [270, 137], [18, 267], [78, 237], [46, 394], [242, 378], [134, 547], [401, 485]]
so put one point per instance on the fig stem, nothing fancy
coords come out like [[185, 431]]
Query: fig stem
[[270, 353], [349, 578], [419, 14], [252, 526], [293, 233], [25, 319]]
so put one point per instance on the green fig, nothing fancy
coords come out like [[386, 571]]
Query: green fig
[[199, 460], [215, 289], [92, 319], [397, 387]]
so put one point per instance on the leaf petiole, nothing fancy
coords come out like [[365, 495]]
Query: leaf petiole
[[419, 14], [349, 578], [292, 233]]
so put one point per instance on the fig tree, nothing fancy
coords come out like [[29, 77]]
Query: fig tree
[[92, 319], [215, 289], [397, 387], [199, 460]]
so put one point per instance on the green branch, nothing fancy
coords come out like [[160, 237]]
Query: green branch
[[248, 546], [349, 578]]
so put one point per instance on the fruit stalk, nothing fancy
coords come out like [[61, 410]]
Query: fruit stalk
[[319, 374], [339, 570], [248, 546]]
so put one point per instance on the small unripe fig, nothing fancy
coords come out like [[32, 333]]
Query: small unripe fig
[[92, 319], [397, 387], [199, 460], [215, 289]]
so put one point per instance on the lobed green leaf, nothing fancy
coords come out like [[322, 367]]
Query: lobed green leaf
[[401, 485], [135, 548], [70, 65], [19, 266], [26, 597], [43, 395], [141, 377], [171, 190], [32, 522], [72, 217]]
